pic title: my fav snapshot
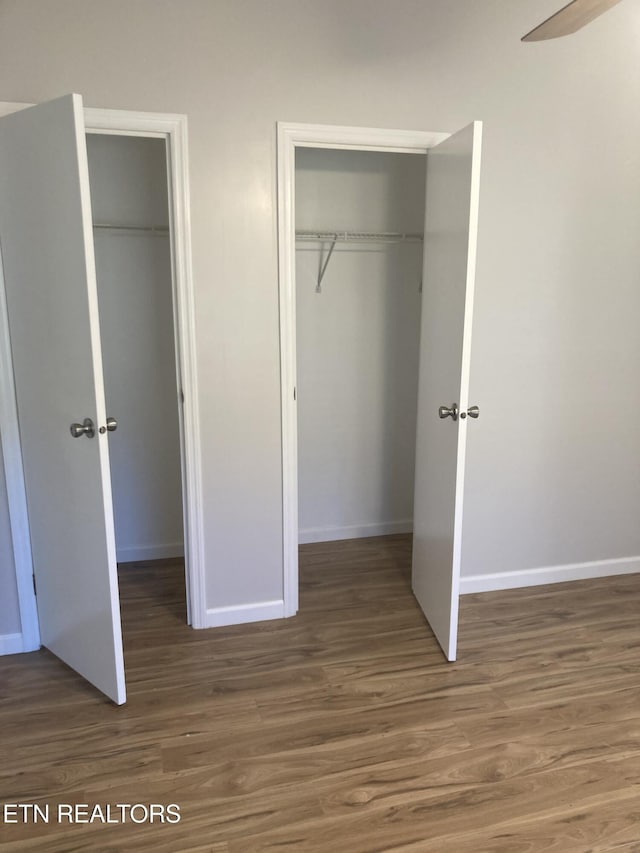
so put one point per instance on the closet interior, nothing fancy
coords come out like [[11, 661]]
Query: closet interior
[[129, 199], [359, 246]]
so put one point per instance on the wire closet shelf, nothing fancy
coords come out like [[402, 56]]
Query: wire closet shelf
[[161, 230], [335, 237], [358, 236]]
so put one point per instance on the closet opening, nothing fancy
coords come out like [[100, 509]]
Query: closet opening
[[138, 328], [359, 225], [65, 551], [444, 410]]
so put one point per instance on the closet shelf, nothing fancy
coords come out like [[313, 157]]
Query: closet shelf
[[358, 236], [136, 229], [352, 237]]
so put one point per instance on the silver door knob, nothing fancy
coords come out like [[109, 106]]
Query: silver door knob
[[87, 427], [472, 411], [112, 426], [449, 412]]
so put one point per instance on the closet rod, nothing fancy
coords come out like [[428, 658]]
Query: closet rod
[[139, 229], [352, 237], [359, 236]]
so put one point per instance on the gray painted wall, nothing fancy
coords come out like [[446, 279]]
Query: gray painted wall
[[552, 463]]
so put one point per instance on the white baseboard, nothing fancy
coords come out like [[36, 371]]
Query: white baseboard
[[11, 644], [260, 611], [136, 553], [356, 531], [549, 574], [216, 617]]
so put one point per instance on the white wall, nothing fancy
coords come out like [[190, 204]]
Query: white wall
[[9, 613], [552, 473], [357, 343], [129, 187]]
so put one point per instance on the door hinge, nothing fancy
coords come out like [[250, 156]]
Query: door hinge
[[35, 591], [181, 396], [294, 392]]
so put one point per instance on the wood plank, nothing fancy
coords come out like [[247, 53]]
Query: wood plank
[[556, 831], [239, 773], [363, 824]]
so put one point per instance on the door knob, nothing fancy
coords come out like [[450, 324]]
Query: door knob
[[112, 426], [472, 411], [87, 427], [446, 412]]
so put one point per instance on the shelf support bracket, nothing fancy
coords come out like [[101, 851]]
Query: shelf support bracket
[[323, 269]]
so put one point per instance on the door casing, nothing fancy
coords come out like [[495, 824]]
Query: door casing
[[173, 129], [290, 137]]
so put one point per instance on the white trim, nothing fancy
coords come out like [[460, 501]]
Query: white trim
[[549, 574], [358, 138], [12, 644], [289, 137], [141, 553], [173, 128], [217, 617], [355, 531], [133, 122]]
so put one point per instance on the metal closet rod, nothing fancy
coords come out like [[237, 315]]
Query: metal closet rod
[[140, 229], [362, 236]]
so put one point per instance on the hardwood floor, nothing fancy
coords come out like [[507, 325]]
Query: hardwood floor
[[343, 730]]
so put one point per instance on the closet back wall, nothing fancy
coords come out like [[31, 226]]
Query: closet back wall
[[357, 343], [129, 187]]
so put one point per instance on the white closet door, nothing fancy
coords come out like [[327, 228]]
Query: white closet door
[[453, 177], [49, 274]]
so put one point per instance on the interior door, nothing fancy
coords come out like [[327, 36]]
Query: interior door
[[49, 275], [453, 178]]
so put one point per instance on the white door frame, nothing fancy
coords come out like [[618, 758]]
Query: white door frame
[[290, 137], [173, 129]]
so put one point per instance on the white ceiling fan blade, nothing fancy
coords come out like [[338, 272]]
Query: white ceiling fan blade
[[569, 19]]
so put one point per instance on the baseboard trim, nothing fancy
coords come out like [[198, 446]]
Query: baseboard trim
[[549, 574], [11, 644], [217, 617], [140, 553], [356, 531]]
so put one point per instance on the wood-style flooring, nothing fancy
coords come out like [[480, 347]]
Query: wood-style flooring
[[343, 730]]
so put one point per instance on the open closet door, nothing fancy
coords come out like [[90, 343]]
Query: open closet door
[[453, 178], [49, 275]]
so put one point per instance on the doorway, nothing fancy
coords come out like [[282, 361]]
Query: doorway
[[66, 120], [359, 247], [132, 243], [452, 199]]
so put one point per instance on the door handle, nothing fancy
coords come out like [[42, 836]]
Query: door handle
[[112, 426], [449, 412], [472, 411], [87, 427]]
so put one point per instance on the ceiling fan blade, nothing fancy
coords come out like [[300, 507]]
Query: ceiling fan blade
[[569, 19]]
